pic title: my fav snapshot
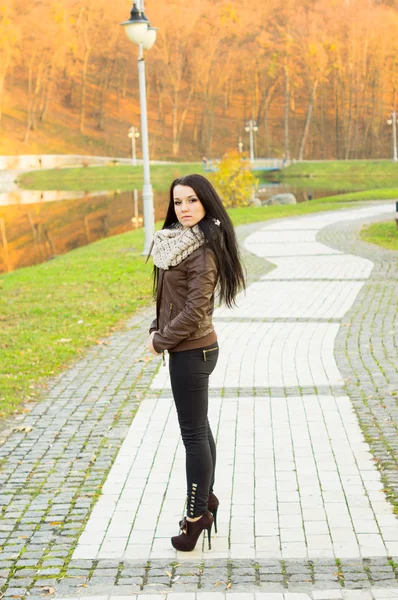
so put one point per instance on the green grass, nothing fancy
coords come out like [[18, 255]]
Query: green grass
[[244, 215], [118, 177], [351, 169], [50, 313], [382, 234], [342, 175], [371, 194]]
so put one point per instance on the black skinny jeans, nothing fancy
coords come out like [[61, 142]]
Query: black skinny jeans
[[189, 374]]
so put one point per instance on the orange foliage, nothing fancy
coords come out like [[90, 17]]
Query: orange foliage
[[319, 76]]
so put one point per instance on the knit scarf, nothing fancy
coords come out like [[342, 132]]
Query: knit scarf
[[171, 246]]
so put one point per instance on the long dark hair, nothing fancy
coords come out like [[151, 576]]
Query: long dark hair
[[221, 239]]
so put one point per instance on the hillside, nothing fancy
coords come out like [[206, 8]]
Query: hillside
[[319, 78]]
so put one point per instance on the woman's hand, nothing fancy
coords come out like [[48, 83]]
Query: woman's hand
[[150, 345]]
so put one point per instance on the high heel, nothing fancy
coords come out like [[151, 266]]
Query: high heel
[[186, 541], [212, 506]]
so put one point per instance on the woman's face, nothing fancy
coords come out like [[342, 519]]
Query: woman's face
[[188, 208]]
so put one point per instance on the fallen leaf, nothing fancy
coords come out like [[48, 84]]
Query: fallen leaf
[[168, 573], [23, 428], [47, 590], [54, 523], [64, 341], [229, 585]]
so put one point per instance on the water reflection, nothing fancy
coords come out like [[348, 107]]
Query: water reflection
[[302, 194], [37, 226], [36, 232]]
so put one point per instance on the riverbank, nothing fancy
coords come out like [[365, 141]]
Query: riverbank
[[52, 312], [111, 178], [359, 176]]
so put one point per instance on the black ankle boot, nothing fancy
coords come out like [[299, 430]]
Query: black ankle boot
[[191, 531], [212, 506]]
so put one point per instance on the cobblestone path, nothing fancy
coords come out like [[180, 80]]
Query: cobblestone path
[[91, 491]]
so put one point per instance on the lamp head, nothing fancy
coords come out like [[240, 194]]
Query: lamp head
[[137, 26], [150, 38]]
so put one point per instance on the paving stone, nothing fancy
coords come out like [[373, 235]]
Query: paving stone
[[78, 572], [15, 592], [25, 573], [49, 571], [130, 581]]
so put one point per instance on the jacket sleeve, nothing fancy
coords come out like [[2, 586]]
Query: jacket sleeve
[[153, 326], [201, 282]]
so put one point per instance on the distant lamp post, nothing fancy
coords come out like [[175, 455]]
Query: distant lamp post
[[251, 127], [139, 31], [134, 134], [393, 121], [240, 145]]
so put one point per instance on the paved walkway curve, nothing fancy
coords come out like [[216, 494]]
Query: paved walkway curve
[[290, 452], [366, 349]]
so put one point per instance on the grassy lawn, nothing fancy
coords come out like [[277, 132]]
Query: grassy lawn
[[50, 313], [342, 175], [352, 169], [371, 194], [382, 234], [118, 177]]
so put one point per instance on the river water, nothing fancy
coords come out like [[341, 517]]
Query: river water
[[37, 226]]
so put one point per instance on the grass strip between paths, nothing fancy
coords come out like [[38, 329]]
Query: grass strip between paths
[[51, 313], [382, 234]]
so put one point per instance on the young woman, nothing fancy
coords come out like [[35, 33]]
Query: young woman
[[195, 252]]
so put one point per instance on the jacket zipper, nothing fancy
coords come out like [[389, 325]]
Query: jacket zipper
[[164, 359], [206, 351]]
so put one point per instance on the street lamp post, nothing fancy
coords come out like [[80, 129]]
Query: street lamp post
[[240, 145], [139, 31], [251, 127], [393, 121], [134, 135]]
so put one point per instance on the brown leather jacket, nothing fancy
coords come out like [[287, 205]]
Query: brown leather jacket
[[185, 300]]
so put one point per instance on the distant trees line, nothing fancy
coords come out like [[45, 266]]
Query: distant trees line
[[319, 77]]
